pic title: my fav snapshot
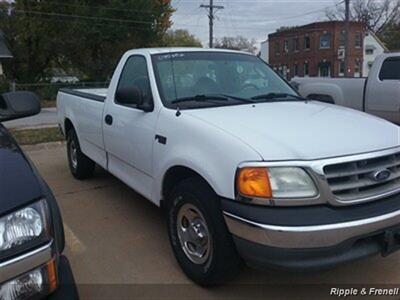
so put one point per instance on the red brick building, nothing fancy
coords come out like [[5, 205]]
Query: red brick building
[[317, 49]]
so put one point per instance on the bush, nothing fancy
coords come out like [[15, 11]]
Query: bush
[[4, 85]]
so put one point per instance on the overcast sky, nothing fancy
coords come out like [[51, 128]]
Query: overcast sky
[[250, 18]]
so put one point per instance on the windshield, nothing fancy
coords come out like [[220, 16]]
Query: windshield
[[200, 79]]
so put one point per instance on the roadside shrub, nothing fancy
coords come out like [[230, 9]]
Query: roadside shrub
[[4, 85]]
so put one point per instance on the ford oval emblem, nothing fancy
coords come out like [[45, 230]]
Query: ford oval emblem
[[381, 175]]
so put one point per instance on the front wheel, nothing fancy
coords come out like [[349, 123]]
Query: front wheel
[[198, 234]]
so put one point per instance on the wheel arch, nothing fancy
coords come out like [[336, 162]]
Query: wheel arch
[[176, 174], [68, 125]]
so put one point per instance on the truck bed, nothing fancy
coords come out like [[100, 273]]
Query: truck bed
[[341, 91], [85, 110], [98, 94]]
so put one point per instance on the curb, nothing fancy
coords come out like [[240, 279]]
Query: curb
[[41, 126], [44, 146]]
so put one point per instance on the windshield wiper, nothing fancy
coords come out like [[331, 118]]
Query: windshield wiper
[[200, 98], [277, 96], [211, 97]]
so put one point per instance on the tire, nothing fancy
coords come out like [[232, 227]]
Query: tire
[[194, 199], [80, 165]]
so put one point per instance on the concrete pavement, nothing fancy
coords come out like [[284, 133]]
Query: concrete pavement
[[114, 236], [47, 117]]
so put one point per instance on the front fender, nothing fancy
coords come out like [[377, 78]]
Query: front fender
[[195, 144]]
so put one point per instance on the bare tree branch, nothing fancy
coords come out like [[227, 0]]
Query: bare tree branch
[[376, 15]]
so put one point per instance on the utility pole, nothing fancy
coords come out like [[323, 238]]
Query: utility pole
[[211, 11], [347, 35]]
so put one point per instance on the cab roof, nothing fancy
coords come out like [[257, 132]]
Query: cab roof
[[183, 49]]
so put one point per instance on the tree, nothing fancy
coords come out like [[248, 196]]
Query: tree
[[237, 43], [98, 45], [391, 36], [88, 36], [377, 15], [31, 40], [180, 38]]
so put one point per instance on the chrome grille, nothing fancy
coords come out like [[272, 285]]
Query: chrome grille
[[354, 180]]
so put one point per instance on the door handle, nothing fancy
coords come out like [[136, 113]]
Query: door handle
[[108, 119]]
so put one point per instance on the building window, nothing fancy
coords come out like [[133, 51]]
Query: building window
[[296, 44], [307, 43], [325, 41], [277, 48], [285, 72], [324, 69], [358, 40], [296, 70], [306, 69], [342, 38], [357, 68], [286, 46], [369, 51], [341, 68]]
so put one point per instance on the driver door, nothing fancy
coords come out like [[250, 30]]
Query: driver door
[[129, 131]]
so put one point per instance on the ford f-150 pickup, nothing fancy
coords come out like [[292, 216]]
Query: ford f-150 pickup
[[245, 168], [379, 94]]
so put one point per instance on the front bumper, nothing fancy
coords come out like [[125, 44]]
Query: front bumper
[[35, 260], [67, 287], [310, 240]]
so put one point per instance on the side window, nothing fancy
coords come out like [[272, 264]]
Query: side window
[[390, 69], [135, 73]]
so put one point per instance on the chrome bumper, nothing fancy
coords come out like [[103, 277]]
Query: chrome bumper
[[21, 264], [302, 237]]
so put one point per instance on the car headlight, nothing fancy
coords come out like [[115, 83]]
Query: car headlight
[[24, 228], [275, 182]]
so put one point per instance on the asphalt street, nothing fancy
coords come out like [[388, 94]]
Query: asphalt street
[[117, 240]]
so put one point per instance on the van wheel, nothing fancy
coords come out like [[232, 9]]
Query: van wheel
[[80, 165], [198, 234]]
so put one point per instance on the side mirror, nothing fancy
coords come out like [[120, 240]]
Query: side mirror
[[132, 95], [15, 105]]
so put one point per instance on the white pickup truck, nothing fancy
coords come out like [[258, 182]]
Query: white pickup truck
[[243, 166], [379, 94]]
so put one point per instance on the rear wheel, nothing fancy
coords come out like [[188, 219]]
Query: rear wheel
[[198, 234], [80, 165]]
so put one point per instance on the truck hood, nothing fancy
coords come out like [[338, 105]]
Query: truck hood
[[302, 130], [18, 182]]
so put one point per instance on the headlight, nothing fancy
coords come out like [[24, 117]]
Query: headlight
[[275, 182], [291, 183], [24, 228]]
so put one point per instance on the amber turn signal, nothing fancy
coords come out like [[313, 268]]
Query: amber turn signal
[[52, 275], [254, 182]]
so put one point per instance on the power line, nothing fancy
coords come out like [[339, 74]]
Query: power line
[[267, 19], [54, 14]]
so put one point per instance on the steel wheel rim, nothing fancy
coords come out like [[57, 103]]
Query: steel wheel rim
[[73, 154], [193, 234]]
